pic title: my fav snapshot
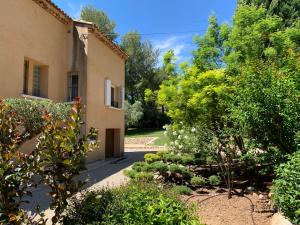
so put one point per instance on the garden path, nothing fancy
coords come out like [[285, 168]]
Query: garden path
[[99, 174]]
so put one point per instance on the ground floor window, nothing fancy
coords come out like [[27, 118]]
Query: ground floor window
[[36, 88], [73, 87]]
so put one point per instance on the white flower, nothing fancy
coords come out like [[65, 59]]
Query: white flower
[[176, 142], [164, 127], [194, 130], [175, 133], [181, 131], [186, 137], [179, 137], [180, 146], [181, 123]]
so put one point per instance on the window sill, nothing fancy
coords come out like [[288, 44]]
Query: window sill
[[34, 97], [114, 108]]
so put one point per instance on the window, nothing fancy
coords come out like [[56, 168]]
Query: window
[[36, 81], [114, 95], [73, 87]]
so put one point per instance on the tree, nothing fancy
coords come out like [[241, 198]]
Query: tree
[[265, 63], [288, 10], [140, 67], [208, 55], [133, 113], [100, 18]]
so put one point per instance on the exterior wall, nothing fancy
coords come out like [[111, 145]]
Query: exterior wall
[[103, 64], [28, 31]]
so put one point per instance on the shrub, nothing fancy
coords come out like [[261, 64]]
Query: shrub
[[198, 181], [31, 112], [215, 180], [159, 167], [144, 176], [185, 172], [141, 167], [286, 188], [170, 157], [150, 157], [133, 204], [187, 160], [61, 149], [182, 190]]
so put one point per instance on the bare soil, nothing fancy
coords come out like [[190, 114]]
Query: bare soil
[[214, 208]]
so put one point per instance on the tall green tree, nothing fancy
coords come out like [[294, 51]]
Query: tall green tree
[[288, 10], [208, 55], [141, 67], [265, 63], [101, 19]]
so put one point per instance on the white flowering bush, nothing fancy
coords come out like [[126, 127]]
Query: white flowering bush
[[195, 139]]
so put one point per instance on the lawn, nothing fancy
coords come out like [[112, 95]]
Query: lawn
[[135, 133]]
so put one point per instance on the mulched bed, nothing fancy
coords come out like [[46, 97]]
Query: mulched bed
[[214, 208]]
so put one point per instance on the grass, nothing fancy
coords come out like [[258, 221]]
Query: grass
[[159, 133]]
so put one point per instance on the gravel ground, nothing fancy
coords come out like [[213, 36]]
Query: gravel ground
[[220, 210], [139, 141]]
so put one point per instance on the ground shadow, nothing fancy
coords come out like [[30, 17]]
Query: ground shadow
[[96, 172]]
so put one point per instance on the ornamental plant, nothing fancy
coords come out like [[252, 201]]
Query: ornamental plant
[[61, 150], [15, 169], [286, 188]]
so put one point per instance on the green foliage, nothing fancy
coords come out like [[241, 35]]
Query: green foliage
[[286, 190], [214, 180], [61, 150], [265, 62], [159, 167], [133, 204], [198, 181], [150, 157], [182, 190], [210, 50], [140, 66], [289, 10], [169, 63], [100, 19], [141, 167], [16, 171], [188, 140], [183, 171], [133, 113], [31, 113]]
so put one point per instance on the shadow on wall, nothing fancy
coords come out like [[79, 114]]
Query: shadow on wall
[[97, 172]]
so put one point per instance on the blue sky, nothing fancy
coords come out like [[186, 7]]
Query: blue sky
[[166, 23]]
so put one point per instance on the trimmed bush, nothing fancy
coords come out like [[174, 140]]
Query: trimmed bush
[[132, 204], [144, 176], [185, 172], [187, 160], [286, 188], [215, 180], [170, 157], [198, 181], [150, 157], [182, 190], [159, 167], [141, 167]]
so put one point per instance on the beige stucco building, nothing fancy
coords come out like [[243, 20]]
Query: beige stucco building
[[44, 54]]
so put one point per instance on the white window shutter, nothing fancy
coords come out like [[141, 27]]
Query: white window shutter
[[107, 92], [123, 97]]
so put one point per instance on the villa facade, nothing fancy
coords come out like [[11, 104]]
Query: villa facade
[[44, 54]]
